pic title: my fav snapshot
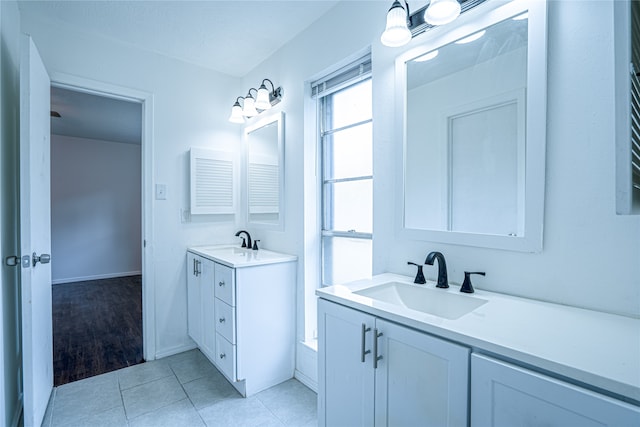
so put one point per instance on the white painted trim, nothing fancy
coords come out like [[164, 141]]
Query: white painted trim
[[536, 107], [147, 99], [306, 365], [95, 277], [313, 385], [175, 350]]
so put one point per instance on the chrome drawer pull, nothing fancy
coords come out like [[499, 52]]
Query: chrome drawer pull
[[364, 352], [222, 355], [221, 320], [376, 335], [221, 283]]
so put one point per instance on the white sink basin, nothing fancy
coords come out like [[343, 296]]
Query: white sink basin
[[437, 302]]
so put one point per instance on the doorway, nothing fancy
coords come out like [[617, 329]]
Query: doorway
[[96, 230]]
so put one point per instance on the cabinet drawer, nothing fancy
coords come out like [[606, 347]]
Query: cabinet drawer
[[226, 321], [225, 289], [226, 357]]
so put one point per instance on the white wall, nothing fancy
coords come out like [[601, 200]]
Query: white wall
[[95, 209], [11, 354], [190, 108]]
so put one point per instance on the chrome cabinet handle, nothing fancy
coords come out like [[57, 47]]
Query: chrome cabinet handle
[[222, 355], [221, 283], [221, 320], [376, 335], [364, 352], [194, 266], [199, 263]]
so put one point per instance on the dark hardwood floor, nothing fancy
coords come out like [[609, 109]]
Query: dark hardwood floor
[[97, 327]]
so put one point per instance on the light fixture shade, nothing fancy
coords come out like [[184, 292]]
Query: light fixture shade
[[396, 33], [249, 109], [442, 12], [236, 114], [262, 99]]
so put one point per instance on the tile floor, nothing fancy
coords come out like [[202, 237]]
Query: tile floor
[[181, 390]]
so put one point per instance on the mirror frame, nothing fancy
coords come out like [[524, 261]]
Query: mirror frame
[[536, 123], [260, 123]]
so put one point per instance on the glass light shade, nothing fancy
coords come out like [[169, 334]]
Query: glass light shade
[[249, 109], [236, 114], [262, 99], [442, 12], [396, 33]]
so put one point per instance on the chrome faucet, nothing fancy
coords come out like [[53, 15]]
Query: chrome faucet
[[443, 281], [246, 244]]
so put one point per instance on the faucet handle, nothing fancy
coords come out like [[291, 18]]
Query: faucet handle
[[255, 244], [244, 242], [467, 288], [420, 275]]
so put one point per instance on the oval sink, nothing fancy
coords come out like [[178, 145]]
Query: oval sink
[[437, 302]]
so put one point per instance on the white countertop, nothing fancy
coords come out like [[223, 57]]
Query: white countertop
[[237, 257], [598, 349]]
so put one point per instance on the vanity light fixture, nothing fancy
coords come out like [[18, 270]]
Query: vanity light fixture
[[251, 106], [403, 25], [441, 12], [236, 112]]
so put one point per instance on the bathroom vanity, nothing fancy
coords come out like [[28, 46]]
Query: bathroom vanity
[[395, 353], [241, 313]]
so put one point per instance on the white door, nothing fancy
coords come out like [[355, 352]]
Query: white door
[[345, 366], [194, 296], [420, 380], [35, 233], [505, 395]]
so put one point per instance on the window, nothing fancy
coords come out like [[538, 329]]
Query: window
[[346, 146]]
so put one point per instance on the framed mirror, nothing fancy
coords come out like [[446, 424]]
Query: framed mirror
[[264, 170], [473, 114]]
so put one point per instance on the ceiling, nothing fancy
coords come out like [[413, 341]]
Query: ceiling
[[83, 115], [231, 37]]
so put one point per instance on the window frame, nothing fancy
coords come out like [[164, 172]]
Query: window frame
[[324, 112]]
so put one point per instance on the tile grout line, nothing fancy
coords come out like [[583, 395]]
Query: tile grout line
[[187, 394]]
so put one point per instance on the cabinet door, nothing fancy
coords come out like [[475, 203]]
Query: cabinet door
[[345, 373], [420, 379], [506, 395], [207, 304], [194, 308]]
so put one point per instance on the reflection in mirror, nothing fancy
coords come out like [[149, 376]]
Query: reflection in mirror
[[466, 157], [264, 170], [468, 146]]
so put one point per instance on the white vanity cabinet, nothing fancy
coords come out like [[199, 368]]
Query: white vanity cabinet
[[374, 372], [200, 302], [243, 317], [506, 395]]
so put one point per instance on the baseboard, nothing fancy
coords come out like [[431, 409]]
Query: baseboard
[[95, 277], [175, 350], [307, 365], [313, 385]]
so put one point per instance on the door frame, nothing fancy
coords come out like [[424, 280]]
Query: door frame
[[79, 84]]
